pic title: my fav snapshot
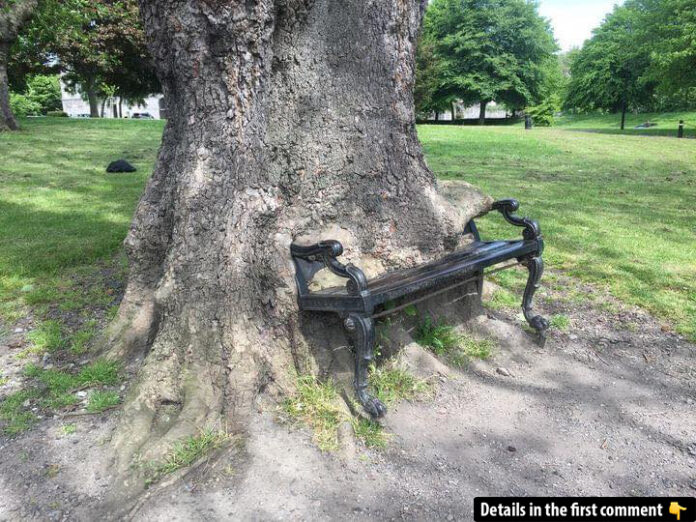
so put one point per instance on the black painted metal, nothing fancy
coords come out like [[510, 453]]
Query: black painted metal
[[356, 302]]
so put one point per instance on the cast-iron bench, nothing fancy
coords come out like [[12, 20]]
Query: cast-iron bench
[[357, 301]]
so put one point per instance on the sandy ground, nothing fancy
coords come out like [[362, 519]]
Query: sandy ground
[[607, 407]]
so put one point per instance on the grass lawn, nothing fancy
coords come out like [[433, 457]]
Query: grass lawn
[[61, 215], [666, 123], [615, 210]]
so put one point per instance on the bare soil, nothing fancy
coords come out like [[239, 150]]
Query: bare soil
[[605, 408]]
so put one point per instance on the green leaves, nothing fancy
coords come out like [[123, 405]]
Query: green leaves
[[642, 57], [483, 50]]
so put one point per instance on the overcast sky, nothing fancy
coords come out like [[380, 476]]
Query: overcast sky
[[573, 20]]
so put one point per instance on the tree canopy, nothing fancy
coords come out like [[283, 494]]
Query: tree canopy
[[643, 56], [484, 50], [98, 45]]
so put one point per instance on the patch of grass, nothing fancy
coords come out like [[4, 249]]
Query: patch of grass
[[615, 210], [60, 212], [560, 322], [102, 400], [503, 299], [443, 340], [80, 340], [438, 336], [371, 433], [14, 414], [665, 124], [54, 390], [99, 372], [3, 380], [315, 404], [186, 452], [68, 429], [393, 384], [46, 337]]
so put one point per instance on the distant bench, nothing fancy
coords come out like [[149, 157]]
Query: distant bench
[[357, 302]]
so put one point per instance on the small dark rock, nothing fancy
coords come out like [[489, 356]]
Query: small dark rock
[[120, 166], [512, 449]]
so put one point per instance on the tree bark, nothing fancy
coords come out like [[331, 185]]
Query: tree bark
[[8, 121], [12, 18], [624, 108], [482, 113], [287, 120], [93, 100]]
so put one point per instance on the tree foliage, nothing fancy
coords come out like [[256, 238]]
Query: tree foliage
[[98, 45], [609, 72], [643, 56], [484, 50]]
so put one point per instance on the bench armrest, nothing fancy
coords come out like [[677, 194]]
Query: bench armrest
[[312, 258], [532, 230]]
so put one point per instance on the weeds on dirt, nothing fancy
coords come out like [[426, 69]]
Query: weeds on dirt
[[316, 405], [14, 413], [560, 322], [443, 340], [68, 429], [393, 384], [52, 390], [371, 433], [47, 337], [186, 452], [102, 400], [81, 338]]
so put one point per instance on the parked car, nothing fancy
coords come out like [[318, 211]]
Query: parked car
[[142, 116]]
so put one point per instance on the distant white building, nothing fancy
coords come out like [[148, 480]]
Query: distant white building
[[463, 112], [75, 106]]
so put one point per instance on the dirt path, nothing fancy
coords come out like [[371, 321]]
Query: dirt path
[[606, 408]]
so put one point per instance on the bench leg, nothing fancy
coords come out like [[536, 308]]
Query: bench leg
[[535, 265], [361, 330]]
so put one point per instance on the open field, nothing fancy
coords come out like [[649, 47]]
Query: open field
[[666, 123], [60, 213], [616, 210]]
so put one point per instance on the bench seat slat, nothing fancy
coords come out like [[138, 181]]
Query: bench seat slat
[[398, 283]]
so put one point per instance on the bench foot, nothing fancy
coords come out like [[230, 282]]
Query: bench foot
[[535, 266], [361, 330]]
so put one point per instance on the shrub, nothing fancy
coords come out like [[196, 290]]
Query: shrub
[[23, 106]]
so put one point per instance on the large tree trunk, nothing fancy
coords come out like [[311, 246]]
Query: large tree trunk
[[288, 119], [7, 119], [12, 18], [90, 87], [482, 113]]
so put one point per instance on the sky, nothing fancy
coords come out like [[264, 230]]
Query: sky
[[573, 20]]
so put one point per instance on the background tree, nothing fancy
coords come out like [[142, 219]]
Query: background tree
[[669, 33], [288, 120], [41, 95], [428, 94], [93, 43], [490, 50], [13, 15], [609, 72]]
